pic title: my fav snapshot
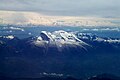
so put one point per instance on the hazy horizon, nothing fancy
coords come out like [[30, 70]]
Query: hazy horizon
[[99, 8]]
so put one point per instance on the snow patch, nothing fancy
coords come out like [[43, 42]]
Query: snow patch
[[9, 37]]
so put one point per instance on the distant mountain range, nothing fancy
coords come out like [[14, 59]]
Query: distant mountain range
[[24, 18], [59, 40]]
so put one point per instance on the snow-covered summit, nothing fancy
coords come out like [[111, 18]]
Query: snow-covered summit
[[59, 38]]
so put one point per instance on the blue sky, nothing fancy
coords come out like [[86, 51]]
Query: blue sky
[[101, 8]]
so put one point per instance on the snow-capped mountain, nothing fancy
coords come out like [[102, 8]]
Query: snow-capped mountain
[[53, 53], [59, 38], [61, 41]]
